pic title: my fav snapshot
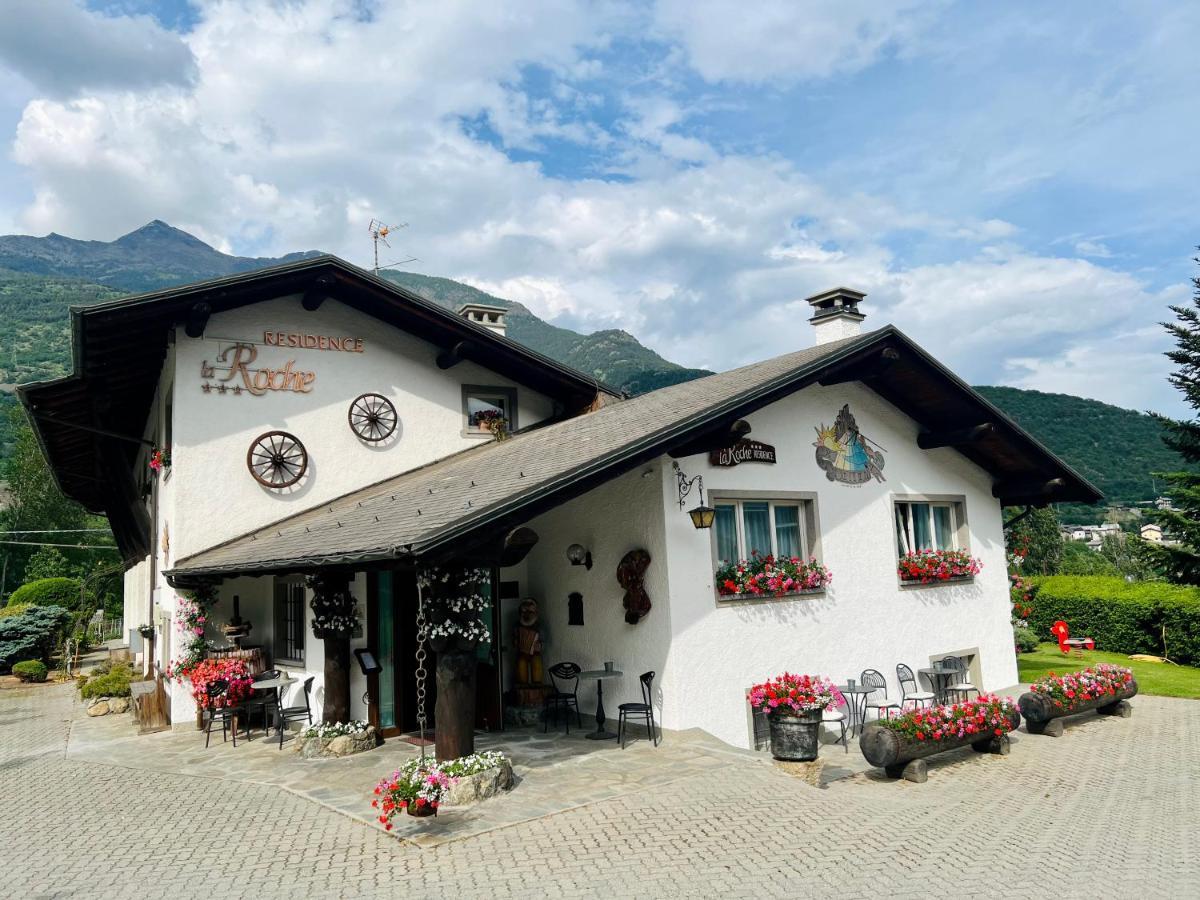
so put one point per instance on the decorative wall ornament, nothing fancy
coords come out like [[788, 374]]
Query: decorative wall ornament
[[742, 451], [372, 417], [277, 460], [846, 454], [631, 574], [166, 544]]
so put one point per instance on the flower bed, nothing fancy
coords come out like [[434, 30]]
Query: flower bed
[[1103, 688], [935, 566], [336, 739], [893, 744], [769, 576], [422, 789]]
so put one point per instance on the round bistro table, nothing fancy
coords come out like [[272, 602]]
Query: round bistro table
[[600, 675], [856, 692]]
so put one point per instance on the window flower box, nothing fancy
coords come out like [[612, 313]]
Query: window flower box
[[1104, 688], [900, 744], [937, 566], [762, 577]]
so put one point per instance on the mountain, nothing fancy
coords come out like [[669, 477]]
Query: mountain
[[155, 256], [1117, 449], [613, 356]]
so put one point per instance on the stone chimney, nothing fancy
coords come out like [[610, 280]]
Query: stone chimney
[[835, 314], [490, 317]]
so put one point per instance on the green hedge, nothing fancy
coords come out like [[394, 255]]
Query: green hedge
[[62, 592], [112, 684], [1122, 617], [30, 670]]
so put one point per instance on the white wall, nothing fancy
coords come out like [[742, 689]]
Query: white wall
[[865, 619], [213, 431], [623, 515]]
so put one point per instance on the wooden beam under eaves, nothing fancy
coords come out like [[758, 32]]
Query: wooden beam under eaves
[[861, 369], [317, 293], [713, 440], [929, 440], [447, 359], [197, 320], [1027, 491]]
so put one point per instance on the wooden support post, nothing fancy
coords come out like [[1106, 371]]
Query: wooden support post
[[1121, 709], [317, 292], [454, 711]]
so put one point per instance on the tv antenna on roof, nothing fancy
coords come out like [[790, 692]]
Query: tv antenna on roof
[[379, 232]]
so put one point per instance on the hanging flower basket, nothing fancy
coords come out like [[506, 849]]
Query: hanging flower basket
[[418, 787], [146, 631]]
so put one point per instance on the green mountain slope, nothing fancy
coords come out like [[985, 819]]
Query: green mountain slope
[[40, 278], [1116, 449], [156, 255]]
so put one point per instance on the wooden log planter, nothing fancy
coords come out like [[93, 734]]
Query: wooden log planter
[[895, 746], [1105, 688]]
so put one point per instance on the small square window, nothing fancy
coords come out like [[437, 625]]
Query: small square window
[[928, 525], [289, 622], [481, 403]]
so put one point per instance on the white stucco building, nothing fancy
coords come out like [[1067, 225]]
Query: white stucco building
[[864, 447]]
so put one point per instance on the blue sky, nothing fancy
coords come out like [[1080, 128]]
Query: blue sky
[[1013, 185]]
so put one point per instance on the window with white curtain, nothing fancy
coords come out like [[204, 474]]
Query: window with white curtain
[[927, 525], [768, 527]]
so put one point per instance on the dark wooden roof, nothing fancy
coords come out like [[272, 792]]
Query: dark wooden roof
[[89, 423], [466, 503]]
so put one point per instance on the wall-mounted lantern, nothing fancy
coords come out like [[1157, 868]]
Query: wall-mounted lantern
[[702, 516], [579, 556]]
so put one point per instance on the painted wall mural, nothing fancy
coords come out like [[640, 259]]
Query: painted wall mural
[[845, 453]]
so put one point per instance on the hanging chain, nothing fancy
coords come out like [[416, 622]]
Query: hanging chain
[[422, 633]]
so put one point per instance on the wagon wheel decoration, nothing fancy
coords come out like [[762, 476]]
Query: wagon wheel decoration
[[277, 460], [372, 417]]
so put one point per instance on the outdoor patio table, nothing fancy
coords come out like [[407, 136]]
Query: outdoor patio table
[[934, 675], [600, 674], [857, 692]]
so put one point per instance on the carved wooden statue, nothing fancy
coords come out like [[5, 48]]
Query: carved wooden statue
[[631, 574]]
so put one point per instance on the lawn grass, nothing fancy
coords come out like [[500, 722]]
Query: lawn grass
[[1162, 679]]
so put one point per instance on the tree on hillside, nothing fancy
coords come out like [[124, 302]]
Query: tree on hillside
[[1181, 561], [36, 506], [1038, 538]]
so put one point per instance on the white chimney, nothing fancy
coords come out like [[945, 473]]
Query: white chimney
[[835, 314], [490, 317]]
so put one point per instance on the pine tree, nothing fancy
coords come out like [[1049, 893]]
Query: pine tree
[[1181, 561]]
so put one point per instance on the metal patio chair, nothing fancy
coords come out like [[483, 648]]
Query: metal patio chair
[[882, 705], [905, 676], [644, 711], [563, 701], [264, 701], [836, 717], [285, 714], [228, 715], [959, 685]]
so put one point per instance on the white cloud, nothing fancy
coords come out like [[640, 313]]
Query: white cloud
[[789, 40], [61, 47]]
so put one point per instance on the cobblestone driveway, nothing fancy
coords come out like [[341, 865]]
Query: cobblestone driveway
[[1109, 810]]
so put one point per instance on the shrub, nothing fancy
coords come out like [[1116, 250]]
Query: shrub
[[114, 683], [30, 670], [1123, 617], [62, 592], [10, 610], [31, 635], [1025, 639]]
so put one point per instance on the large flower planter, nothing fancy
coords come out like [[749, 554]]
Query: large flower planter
[[794, 738], [901, 756], [1043, 717]]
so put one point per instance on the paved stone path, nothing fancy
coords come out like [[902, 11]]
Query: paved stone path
[[1109, 810]]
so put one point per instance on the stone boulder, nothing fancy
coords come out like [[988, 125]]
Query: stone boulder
[[98, 707], [118, 704], [481, 785], [316, 747]]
